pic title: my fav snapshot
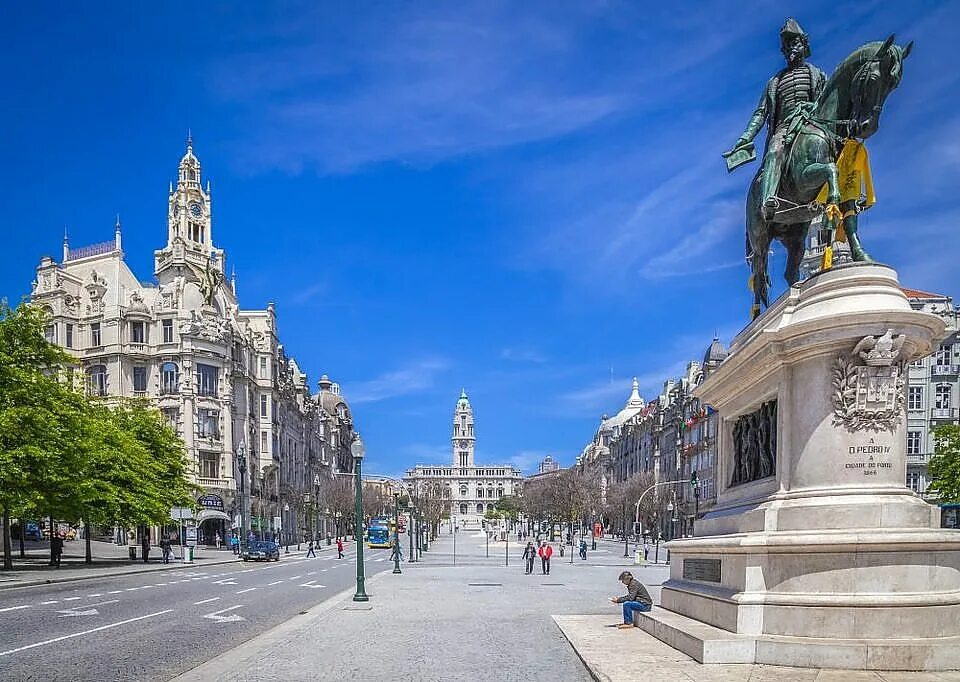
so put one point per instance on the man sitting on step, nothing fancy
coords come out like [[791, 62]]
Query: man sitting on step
[[636, 599]]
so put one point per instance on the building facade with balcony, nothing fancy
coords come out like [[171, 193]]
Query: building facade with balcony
[[218, 373], [472, 489], [933, 389]]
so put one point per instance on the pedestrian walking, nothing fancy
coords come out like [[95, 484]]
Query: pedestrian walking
[[339, 548], [636, 599], [519, 535], [561, 550], [145, 545], [165, 549], [546, 551], [583, 549], [646, 550], [529, 554], [310, 552], [218, 540], [56, 550]]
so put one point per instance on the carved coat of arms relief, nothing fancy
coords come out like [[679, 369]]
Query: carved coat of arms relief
[[868, 384]]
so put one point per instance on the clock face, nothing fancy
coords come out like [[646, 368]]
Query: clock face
[[196, 210]]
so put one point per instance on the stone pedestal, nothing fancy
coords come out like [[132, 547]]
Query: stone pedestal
[[816, 553]]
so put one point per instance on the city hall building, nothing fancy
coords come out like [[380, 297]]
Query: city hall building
[[472, 489], [218, 373]]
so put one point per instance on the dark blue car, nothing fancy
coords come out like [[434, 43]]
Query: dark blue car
[[261, 550]]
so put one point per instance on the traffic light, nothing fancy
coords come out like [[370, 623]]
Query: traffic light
[[693, 480]]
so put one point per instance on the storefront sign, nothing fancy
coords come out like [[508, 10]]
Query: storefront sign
[[211, 502]]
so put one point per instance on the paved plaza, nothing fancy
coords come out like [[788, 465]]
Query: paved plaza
[[445, 621]]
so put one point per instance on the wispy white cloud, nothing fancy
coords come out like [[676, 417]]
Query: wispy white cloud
[[523, 355], [309, 293], [415, 378]]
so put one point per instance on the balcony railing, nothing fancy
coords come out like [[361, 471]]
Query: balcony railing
[[920, 458], [945, 370], [215, 482], [139, 394], [943, 413]]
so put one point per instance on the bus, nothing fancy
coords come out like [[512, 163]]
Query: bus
[[379, 536]]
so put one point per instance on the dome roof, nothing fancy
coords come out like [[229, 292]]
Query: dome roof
[[715, 354], [634, 406]]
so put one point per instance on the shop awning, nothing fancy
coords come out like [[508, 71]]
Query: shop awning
[[205, 514]]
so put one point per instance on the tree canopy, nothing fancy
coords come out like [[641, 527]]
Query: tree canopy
[[944, 467], [65, 455]]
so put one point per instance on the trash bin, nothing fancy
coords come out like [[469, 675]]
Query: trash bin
[[188, 554], [638, 557]]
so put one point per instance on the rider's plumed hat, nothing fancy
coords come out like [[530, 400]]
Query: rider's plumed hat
[[792, 29]]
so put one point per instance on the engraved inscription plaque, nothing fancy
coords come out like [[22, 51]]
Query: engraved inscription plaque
[[706, 570]]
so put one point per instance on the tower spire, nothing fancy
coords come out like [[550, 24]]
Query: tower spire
[[66, 245], [189, 140], [116, 234]]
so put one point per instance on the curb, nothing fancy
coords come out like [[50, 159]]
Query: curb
[[77, 578], [220, 667]]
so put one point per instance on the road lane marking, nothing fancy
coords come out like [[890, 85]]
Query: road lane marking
[[15, 608], [232, 618], [249, 570], [131, 589], [225, 581], [114, 591], [323, 570], [71, 598], [249, 589], [310, 584], [311, 572], [295, 577], [85, 632], [91, 596], [54, 601], [205, 601], [275, 582]]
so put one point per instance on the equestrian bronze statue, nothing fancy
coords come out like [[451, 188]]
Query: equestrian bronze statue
[[814, 163]]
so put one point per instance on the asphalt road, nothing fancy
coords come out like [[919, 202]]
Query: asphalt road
[[155, 626]]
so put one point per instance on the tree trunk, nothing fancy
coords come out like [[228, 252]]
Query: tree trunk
[[86, 539], [7, 545], [23, 530]]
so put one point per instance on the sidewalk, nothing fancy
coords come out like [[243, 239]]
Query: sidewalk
[[437, 621], [109, 559], [479, 618]]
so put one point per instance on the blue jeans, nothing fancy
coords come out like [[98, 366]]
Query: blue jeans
[[629, 607]]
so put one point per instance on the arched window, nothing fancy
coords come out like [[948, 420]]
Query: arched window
[[479, 508], [97, 380], [490, 493], [463, 493], [169, 378], [499, 492], [463, 508], [479, 492]]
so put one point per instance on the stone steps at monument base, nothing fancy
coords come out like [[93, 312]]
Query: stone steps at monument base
[[708, 644]]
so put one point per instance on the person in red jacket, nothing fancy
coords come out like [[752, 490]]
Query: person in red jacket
[[546, 551], [339, 548]]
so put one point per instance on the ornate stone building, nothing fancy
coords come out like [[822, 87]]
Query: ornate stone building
[[219, 374], [472, 489]]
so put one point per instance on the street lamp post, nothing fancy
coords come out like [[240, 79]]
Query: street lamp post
[[356, 449], [242, 468], [412, 558], [625, 536], [396, 533]]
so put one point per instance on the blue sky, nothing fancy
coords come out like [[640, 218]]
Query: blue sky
[[523, 199]]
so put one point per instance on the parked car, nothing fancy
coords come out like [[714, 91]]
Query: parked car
[[261, 550]]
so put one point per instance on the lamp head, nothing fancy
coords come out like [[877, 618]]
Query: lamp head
[[356, 448]]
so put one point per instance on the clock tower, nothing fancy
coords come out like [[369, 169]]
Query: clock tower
[[463, 439], [190, 251]]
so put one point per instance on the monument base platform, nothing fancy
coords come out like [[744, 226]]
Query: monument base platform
[[815, 553], [708, 644]]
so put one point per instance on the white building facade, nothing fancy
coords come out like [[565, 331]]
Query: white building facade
[[218, 373], [473, 489]]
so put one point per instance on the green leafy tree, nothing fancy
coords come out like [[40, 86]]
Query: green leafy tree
[[40, 421], [944, 467]]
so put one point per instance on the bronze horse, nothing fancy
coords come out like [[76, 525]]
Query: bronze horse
[[848, 107]]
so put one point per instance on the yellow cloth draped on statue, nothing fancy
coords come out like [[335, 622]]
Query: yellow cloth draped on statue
[[853, 171]]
